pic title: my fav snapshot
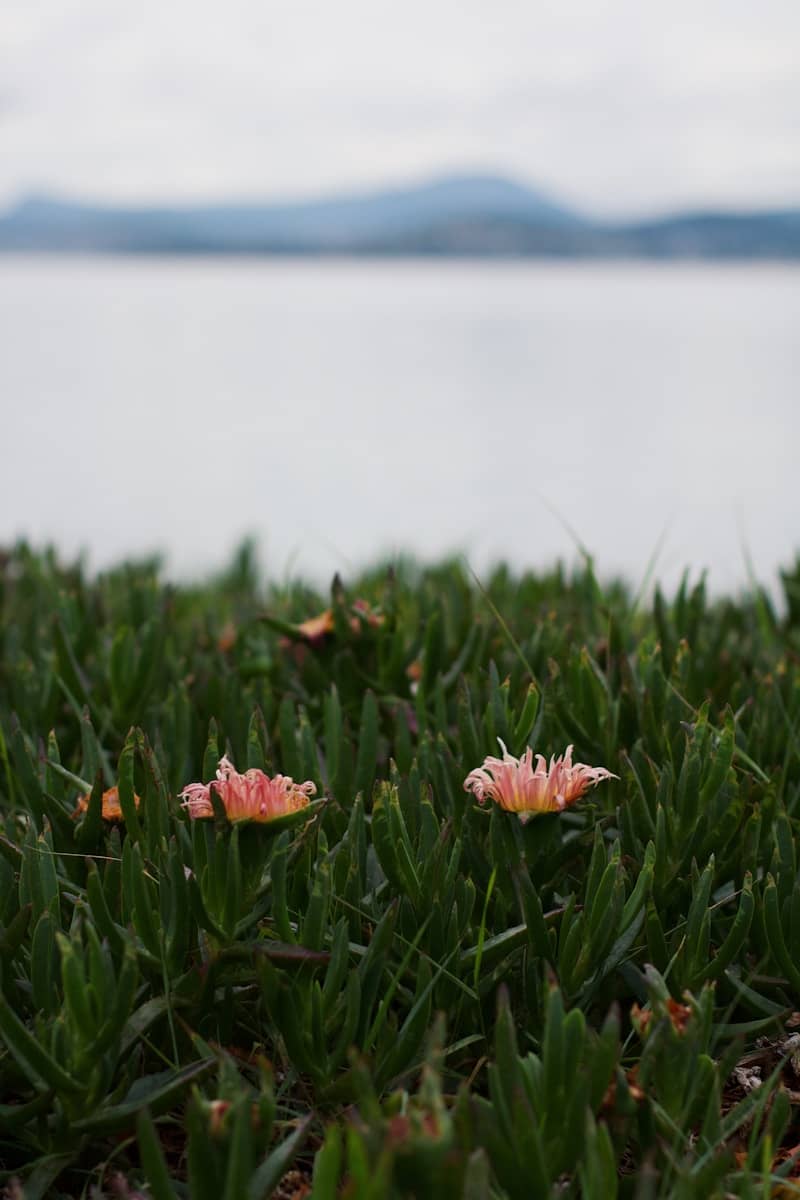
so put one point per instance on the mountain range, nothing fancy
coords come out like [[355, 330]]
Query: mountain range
[[462, 215]]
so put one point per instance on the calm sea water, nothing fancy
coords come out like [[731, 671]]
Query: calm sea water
[[343, 410]]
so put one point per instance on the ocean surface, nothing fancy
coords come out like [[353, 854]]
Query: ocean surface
[[340, 411]]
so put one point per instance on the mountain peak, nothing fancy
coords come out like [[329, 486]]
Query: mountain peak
[[463, 213]]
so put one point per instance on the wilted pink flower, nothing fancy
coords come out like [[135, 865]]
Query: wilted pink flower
[[517, 787], [363, 610], [249, 797]]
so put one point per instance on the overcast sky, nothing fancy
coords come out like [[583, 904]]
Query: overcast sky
[[618, 107]]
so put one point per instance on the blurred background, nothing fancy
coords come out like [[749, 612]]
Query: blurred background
[[512, 280]]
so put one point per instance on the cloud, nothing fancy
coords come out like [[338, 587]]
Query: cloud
[[617, 107]]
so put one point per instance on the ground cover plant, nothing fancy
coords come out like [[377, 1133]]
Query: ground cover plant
[[358, 981]]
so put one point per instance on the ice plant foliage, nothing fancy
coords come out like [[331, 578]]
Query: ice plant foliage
[[249, 797], [302, 939], [517, 786]]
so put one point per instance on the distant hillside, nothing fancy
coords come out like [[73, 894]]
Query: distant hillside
[[460, 216]]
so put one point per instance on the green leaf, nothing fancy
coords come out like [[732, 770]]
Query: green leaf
[[272, 1170], [772, 922], [477, 1182], [14, 1115], [89, 829], [737, 934], [495, 948], [68, 666], [482, 930], [154, 1092], [380, 1017], [327, 1165], [338, 966], [400, 1057], [598, 1170], [211, 755], [257, 742], [40, 1069], [38, 881], [605, 1054], [74, 983], [100, 911], [152, 1155], [145, 1016], [204, 1161], [526, 721], [44, 1173], [240, 1150], [30, 786], [367, 758], [145, 906], [126, 793], [232, 903], [119, 1010], [553, 1045]]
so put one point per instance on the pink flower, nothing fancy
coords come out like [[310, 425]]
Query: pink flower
[[516, 786], [249, 797]]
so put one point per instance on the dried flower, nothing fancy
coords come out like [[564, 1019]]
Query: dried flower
[[217, 1112], [112, 810], [227, 638], [636, 1094], [678, 1014], [249, 797], [414, 670], [518, 787], [315, 629]]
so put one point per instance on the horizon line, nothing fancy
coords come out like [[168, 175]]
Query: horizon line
[[409, 184]]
